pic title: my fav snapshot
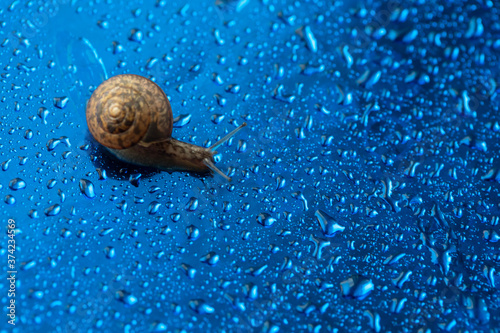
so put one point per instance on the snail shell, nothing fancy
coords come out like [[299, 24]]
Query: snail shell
[[131, 116], [127, 109]]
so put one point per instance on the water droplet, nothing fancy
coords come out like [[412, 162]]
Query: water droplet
[[265, 219], [17, 184], [328, 224], [53, 210], [200, 307], [87, 188], [357, 286], [61, 102]]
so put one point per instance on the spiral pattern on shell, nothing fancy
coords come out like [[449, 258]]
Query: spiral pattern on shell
[[127, 109]]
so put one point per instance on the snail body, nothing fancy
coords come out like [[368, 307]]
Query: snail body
[[170, 154], [131, 116]]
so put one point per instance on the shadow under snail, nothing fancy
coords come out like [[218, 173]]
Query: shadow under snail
[[131, 116]]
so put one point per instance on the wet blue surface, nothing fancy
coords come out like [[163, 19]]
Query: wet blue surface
[[365, 192]]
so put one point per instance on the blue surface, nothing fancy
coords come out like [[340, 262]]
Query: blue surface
[[365, 192]]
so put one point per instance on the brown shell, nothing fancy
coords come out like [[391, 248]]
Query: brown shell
[[127, 109]]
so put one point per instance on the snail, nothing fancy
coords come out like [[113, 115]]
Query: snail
[[131, 116]]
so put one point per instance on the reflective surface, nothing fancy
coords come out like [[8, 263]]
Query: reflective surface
[[365, 191]]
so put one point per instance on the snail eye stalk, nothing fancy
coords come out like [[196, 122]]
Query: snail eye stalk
[[209, 163], [215, 169], [227, 137]]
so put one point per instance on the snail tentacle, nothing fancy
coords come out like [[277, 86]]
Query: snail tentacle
[[227, 137], [215, 169]]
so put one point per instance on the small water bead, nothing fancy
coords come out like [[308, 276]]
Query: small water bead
[[65, 233], [192, 232], [28, 135], [5, 165], [211, 258], [103, 24], [9, 199], [102, 174], [87, 188], [201, 307], [53, 210], [251, 291], [220, 99], [242, 61], [33, 214], [27, 265], [110, 252], [357, 286], [61, 102], [135, 179], [309, 70], [105, 231], [279, 94], [51, 183], [233, 88], [137, 12], [126, 297], [151, 63], [217, 118], [175, 217], [17, 184], [328, 224], [218, 39], [154, 207], [311, 42], [182, 120], [195, 68], [192, 205], [117, 48], [265, 219], [242, 146], [53, 143], [190, 271], [217, 79], [136, 35]]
